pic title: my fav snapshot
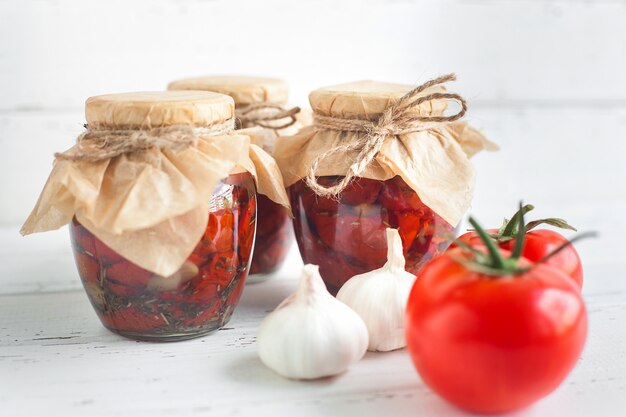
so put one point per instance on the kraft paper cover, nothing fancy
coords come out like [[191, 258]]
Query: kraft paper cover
[[151, 206], [246, 90], [435, 162]]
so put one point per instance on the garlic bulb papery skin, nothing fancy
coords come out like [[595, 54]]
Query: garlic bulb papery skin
[[380, 298], [310, 334]]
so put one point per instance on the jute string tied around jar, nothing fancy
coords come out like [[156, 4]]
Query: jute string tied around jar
[[397, 119], [98, 144], [264, 114]]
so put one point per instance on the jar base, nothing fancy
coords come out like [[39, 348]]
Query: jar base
[[172, 337]]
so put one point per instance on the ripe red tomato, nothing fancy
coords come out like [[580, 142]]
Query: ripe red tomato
[[493, 343], [539, 243]]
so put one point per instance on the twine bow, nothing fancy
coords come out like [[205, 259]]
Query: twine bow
[[259, 114], [397, 119], [100, 144]]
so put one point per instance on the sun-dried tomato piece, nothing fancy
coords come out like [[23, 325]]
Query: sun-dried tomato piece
[[361, 191], [208, 313], [309, 200], [226, 238], [105, 253], [221, 269], [273, 237], [246, 240], [346, 237], [121, 289], [248, 211], [207, 246], [234, 292], [82, 240], [396, 195], [134, 319], [88, 267], [129, 273], [196, 299], [360, 237], [336, 268], [409, 226]]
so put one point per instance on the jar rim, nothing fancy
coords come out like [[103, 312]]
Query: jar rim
[[367, 99], [244, 90], [147, 109]]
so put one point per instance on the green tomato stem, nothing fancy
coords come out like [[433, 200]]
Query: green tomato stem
[[512, 227], [520, 238], [493, 263], [496, 258], [553, 221]]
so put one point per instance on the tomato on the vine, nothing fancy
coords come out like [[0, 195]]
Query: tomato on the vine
[[539, 243], [490, 332]]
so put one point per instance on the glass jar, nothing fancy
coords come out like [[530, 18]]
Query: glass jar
[[197, 299], [160, 196], [346, 236], [251, 94], [379, 155]]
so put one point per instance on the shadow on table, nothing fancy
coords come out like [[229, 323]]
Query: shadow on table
[[251, 370], [338, 395]]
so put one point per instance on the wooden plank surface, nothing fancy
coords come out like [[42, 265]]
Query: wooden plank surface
[[55, 356]]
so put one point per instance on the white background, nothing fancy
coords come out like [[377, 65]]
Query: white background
[[546, 80]]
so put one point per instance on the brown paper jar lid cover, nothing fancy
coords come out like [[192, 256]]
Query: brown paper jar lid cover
[[158, 109], [368, 99], [244, 90]]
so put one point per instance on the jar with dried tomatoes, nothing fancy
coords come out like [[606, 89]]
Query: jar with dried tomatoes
[[378, 155], [160, 196], [260, 102]]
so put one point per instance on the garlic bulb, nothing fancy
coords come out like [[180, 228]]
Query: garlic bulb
[[186, 272], [380, 298], [311, 334]]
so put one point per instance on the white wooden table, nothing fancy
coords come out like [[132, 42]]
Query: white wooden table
[[56, 359]]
